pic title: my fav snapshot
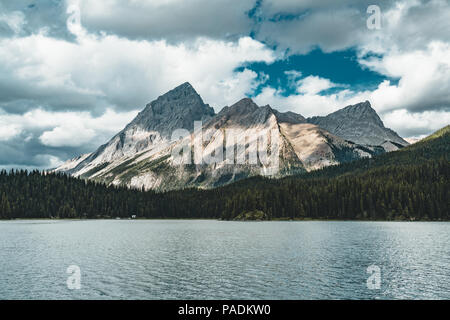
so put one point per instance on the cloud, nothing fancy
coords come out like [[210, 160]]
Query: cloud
[[274, 7], [312, 85], [72, 136], [99, 72], [410, 25], [339, 25], [292, 77], [172, 20], [14, 21], [424, 79], [307, 101], [27, 17], [416, 124], [41, 137], [330, 30], [8, 131]]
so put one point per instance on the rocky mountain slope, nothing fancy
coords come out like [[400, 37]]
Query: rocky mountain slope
[[151, 130], [360, 124], [241, 141]]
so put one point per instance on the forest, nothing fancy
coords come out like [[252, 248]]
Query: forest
[[409, 184]]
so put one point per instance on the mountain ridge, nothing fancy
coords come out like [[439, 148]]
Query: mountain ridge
[[141, 155]]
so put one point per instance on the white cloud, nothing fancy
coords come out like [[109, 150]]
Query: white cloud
[[307, 104], [8, 131], [61, 129], [108, 71], [42, 138], [416, 124], [72, 136], [312, 85], [409, 25], [424, 79]]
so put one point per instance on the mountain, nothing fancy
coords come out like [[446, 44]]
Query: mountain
[[410, 184], [150, 131], [361, 124], [241, 141]]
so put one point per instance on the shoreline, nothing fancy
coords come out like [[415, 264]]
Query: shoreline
[[215, 219]]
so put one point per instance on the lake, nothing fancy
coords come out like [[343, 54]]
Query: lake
[[206, 259]]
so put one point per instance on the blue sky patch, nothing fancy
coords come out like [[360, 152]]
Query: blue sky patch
[[339, 67]]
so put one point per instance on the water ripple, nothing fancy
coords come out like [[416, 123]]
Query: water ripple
[[224, 260]]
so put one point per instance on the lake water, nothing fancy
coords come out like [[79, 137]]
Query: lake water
[[179, 259]]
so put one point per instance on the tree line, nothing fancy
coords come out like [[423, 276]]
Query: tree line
[[413, 192]]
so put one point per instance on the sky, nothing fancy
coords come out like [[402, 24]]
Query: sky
[[74, 72]]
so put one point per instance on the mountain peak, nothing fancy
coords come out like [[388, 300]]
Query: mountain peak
[[359, 123], [245, 104], [366, 106], [242, 107], [180, 92], [361, 111], [178, 108], [184, 86], [245, 113]]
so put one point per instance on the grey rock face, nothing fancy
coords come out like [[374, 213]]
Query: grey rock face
[[177, 109], [358, 123]]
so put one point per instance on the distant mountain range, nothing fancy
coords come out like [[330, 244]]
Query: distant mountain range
[[142, 154]]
